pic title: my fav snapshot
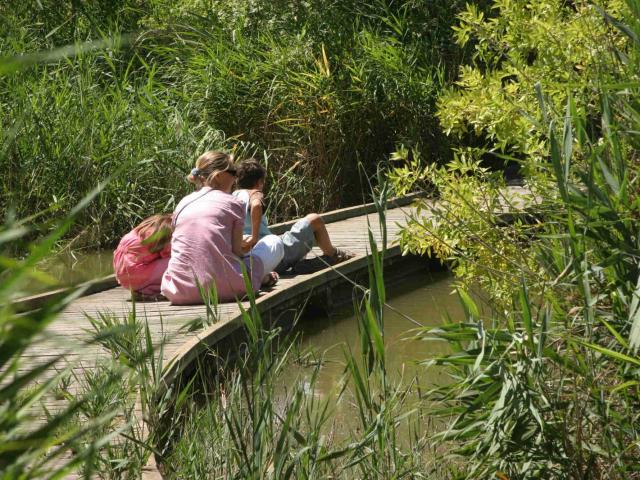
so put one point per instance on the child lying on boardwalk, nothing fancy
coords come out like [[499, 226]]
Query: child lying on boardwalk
[[142, 256], [302, 236]]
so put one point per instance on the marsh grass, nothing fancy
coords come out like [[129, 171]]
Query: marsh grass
[[142, 90], [36, 441]]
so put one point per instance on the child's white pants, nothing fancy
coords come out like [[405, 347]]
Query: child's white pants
[[270, 251]]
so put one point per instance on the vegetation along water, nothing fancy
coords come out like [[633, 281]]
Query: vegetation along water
[[312, 87], [308, 384], [106, 104]]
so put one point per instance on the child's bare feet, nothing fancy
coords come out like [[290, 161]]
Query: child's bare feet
[[270, 280]]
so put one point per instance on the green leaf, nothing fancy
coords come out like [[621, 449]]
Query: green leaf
[[612, 353], [525, 308], [567, 139], [470, 307], [634, 318]]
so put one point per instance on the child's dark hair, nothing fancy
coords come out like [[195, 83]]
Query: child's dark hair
[[155, 231], [250, 172]]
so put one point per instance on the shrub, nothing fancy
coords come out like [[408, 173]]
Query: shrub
[[313, 90], [543, 384]]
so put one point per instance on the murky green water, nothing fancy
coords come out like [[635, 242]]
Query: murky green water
[[419, 301], [69, 269]]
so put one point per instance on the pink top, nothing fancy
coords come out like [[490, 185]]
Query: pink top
[[136, 267], [201, 247]]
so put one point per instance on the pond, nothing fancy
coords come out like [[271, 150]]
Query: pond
[[421, 300], [69, 268]]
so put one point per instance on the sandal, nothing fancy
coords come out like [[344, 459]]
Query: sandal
[[271, 280], [341, 256], [307, 266]]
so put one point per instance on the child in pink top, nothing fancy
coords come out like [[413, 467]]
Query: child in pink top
[[206, 247], [143, 254]]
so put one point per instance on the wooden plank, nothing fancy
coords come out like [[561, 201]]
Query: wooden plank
[[71, 331], [34, 302]]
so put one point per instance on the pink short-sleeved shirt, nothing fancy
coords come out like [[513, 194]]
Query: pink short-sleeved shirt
[[201, 247], [138, 269]]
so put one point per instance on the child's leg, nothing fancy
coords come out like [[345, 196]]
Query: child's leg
[[298, 241], [320, 233]]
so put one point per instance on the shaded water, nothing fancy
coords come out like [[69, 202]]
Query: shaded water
[[425, 298]]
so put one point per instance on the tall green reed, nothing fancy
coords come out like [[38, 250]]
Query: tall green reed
[[318, 89], [39, 440]]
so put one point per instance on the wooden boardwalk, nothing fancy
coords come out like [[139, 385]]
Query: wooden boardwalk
[[71, 332], [348, 228]]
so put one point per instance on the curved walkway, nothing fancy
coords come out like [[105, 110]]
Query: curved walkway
[[71, 331]]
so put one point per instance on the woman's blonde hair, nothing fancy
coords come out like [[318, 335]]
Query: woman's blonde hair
[[208, 165], [155, 231]]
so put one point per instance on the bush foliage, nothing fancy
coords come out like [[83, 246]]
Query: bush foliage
[[545, 384]]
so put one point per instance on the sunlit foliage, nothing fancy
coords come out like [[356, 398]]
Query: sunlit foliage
[[544, 377], [312, 87]]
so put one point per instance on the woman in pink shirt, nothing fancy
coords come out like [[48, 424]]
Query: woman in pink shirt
[[206, 247], [142, 256]]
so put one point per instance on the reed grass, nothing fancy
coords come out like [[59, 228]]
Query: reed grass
[[135, 92]]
